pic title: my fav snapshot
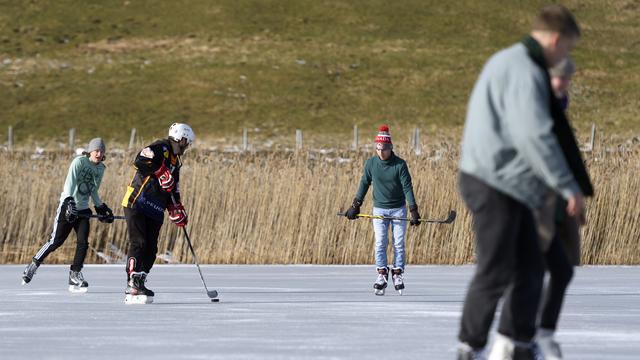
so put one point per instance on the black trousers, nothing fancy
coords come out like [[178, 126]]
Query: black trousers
[[508, 257], [60, 233], [143, 241], [560, 274]]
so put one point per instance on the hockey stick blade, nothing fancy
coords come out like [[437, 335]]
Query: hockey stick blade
[[450, 218]]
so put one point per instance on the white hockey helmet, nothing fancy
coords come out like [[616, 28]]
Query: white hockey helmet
[[179, 131]]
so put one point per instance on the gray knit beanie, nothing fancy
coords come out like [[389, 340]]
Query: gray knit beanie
[[95, 144]]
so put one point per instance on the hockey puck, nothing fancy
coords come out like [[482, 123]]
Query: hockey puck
[[215, 300]]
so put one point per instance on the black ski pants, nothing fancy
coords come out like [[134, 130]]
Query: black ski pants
[[143, 241], [560, 274], [60, 233], [508, 257]]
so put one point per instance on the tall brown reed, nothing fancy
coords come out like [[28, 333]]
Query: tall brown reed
[[280, 207]]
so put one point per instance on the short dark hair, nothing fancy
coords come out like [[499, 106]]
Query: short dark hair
[[556, 18]]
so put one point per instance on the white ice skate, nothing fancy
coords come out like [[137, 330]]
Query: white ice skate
[[381, 281], [137, 292], [77, 284], [465, 352], [549, 347], [502, 348], [398, 281], [29, 271]]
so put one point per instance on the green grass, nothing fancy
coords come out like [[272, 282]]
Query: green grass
[[106, 66]]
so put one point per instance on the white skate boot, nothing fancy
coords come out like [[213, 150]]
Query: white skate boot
[[504, 348], [549, 347], [77, 284], [381, 281], [398, 281], [29, 271]]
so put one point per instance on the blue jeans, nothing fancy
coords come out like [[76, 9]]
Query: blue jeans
[[381, 230]]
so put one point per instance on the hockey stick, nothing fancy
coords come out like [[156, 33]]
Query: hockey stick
[[212, 294], [450, 218], [115, 217]]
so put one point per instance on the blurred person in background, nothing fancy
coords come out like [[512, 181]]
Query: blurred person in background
[[516, 150]]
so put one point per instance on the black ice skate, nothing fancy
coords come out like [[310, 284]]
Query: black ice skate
[[398, 281], [77, 284], [136, 292], [29, 271], [381, 281]]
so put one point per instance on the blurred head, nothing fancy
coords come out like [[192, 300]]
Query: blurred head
[[561, 77], [95, 150], [557, 31], [181, 137], [384, 146]]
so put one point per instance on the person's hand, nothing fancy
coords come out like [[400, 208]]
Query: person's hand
[[164, 178], [178, 215], [415, 215], [354, 210], [105, 214], [69, 209], [575, 208]]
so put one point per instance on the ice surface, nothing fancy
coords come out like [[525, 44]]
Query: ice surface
[[287, 312]]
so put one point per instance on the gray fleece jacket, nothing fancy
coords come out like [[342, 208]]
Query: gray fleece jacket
[[508, 140]]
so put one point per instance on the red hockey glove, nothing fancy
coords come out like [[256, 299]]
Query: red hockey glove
[[177, 214], [164, 178]]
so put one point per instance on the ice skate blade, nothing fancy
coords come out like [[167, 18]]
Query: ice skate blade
[[138, 299], [400, 291], [378, 292], [78, 289], [24, 282]]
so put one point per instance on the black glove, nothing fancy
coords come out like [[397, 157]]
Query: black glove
[[354, 210], [105, 214], [69, 209], [415, 215]]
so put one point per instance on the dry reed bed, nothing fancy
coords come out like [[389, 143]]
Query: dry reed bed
[[281, 208]]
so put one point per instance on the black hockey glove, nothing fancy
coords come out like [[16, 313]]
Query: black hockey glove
[[354, 210], [105, 214], [415, 215], [69, 209]]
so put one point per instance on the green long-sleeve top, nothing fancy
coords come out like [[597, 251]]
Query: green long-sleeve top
[[83, 181], [391, 180]]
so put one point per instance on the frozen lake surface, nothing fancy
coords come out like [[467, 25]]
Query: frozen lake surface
[[287, 312]]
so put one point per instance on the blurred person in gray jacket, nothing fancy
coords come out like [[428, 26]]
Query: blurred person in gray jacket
[[517, 148]]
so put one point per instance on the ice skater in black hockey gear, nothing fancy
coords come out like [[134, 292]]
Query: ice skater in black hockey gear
[[152, 190], [82, 183], [392, 190]]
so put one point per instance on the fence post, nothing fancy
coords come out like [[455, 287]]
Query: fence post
[[354, 145], [593, 136], [415, 142], [132, 138], [72, 139], [245, 139], [298, 139], [10, 138]]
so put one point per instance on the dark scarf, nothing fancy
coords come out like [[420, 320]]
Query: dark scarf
[[561, 126]]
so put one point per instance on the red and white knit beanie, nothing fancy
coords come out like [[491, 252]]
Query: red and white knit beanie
[[383, 139]]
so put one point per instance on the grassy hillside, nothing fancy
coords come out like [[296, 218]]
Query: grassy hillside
[[322, 66]]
